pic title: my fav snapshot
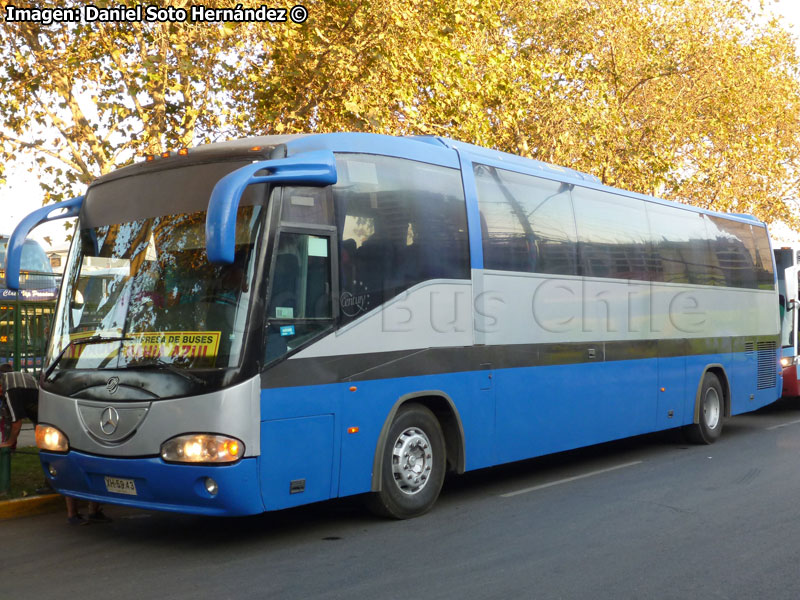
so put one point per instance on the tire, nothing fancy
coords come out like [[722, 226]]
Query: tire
[[712, 409], [413, 465]]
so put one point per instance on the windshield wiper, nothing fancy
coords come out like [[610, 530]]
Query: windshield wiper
[[157, 363], [95, 339]]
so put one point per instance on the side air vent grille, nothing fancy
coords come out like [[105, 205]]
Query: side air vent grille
[[749, 346], [767, 365]]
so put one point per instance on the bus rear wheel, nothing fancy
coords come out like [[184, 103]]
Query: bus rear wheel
[[712, 408], [413, 465]]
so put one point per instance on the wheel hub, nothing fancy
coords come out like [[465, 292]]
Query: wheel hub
[[411, 460], [712, 408]]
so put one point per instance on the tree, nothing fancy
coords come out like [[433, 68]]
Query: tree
[[693, 100], [86, 98]]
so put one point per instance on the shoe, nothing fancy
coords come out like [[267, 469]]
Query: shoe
[[77, 520], [99, 517]]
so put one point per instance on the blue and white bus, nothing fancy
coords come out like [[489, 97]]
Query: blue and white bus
[[37, 281], [264, 323], [25, 313]]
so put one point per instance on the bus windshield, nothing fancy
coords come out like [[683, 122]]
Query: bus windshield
[[148, 285]]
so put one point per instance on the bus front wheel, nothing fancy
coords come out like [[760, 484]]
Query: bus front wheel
[[711, 410], [413, 465]]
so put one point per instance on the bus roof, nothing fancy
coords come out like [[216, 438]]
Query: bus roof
[[439, 150]]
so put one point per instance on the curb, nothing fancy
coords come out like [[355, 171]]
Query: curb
[[26, 507]]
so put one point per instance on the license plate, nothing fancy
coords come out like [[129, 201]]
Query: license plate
[[121, 486]]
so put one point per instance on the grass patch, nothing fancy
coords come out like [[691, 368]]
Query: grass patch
[[26, 473]]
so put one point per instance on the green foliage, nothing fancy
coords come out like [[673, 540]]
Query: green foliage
[[693, 100], [26, 473], [87, 98]]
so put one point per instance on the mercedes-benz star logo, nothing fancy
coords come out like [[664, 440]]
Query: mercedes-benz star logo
[[109, 420], [112, 385]]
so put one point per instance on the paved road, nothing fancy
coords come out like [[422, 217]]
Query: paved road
[[646, 518]]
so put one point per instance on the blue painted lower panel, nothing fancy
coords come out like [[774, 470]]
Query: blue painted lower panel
[[294, 416], [523, 413], [297, 461], [319, 442], [548, 409], [159, 485]]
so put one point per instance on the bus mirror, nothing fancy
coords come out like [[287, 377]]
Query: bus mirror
[[311, 168], [791, 305], [70, 208]]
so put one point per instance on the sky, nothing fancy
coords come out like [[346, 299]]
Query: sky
[[21, 195]]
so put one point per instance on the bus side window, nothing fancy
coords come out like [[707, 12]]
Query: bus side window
[[300, 293], [682, 245], [613, 235], [401, 223], [527, 223], [733, 245], [284, 286]]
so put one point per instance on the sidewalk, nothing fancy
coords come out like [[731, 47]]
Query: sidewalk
[[35, 505], [27, 437]]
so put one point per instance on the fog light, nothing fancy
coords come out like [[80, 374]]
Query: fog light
[[211, 486], [786, 361], [52, 470]]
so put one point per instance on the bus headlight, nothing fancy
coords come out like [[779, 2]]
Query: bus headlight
[[788, 361], [51, 439], [202, 448]]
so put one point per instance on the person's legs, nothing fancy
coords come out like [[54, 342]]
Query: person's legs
[[11, 442], [72, 506], [73, 517], [96, 514], [17, 409]]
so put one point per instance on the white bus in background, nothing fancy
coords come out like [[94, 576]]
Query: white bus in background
[[786, 271]]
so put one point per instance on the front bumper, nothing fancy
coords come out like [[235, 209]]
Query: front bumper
[[159, 485]]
